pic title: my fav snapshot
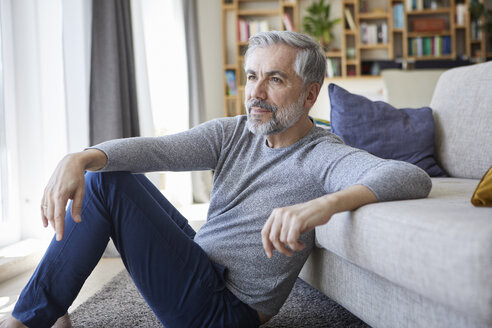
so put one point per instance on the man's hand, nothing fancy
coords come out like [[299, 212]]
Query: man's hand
[[285, 225], [67, 182]]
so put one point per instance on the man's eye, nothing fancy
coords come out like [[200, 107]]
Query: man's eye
[[276, 80], [251, 77]]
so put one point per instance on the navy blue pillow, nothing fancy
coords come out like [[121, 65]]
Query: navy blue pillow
[[405, 134]]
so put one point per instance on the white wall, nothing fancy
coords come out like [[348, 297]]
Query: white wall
[[210, 34]]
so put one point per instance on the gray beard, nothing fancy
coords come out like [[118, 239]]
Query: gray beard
[[281, 119]]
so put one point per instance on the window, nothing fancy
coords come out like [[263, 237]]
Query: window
[[3, 147]]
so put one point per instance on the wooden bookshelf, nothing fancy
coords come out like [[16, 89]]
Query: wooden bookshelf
[[399, 41], [240, 19]]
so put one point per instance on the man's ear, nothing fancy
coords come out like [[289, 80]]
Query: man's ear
[[312, 94]]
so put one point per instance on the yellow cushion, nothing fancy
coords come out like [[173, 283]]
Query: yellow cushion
[[483, 194]]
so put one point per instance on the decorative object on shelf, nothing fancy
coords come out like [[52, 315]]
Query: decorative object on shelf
[[319, 24], [231, 83], [351, 52]]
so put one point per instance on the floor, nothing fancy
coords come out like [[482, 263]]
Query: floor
[[105, 270]]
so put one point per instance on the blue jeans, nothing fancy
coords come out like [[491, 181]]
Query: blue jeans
[[180, 283]]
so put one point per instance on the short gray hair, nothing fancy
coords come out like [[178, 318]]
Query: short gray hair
[[310, 62]]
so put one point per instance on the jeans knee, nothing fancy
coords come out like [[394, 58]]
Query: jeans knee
[[101, 176]]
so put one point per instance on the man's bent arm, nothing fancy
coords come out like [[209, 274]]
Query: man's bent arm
[[285, 225]]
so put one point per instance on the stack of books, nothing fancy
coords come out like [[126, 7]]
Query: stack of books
[[247, 28], [429, 46], [374, 33]]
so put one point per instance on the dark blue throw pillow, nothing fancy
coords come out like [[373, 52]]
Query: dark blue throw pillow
[[405, 134]]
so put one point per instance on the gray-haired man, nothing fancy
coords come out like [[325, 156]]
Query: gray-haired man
[[276, 177]]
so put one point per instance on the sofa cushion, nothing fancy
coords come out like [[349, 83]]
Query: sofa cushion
[[438, 247], [483, 194], [379, 128], [463, 116]]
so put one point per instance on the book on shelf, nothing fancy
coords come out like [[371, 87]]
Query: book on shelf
[[382, 33], [460, 13], [429, 46], [363, 6], [351, 71], [415, 5], [231, 83], [398, 15], [475, 30], [247, 28], [350, 19], [289, 26], [425, 24], [242, 30], [333, 67], [372, 34], [424, 4]]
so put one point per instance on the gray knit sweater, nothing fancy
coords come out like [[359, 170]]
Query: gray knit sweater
[[250, 180]]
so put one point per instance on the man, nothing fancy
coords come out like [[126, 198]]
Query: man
[[276, 177]]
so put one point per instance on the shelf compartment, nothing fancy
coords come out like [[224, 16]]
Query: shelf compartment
[[430, 57], [427, 34], [353, 62], [429, 11], [228, 6], [253, 12], [333, 54], [374, 46], [373, 16]]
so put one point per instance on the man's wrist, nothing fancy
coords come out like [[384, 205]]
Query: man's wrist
[[91, 159]]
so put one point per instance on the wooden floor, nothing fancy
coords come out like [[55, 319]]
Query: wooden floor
[[106, 269]]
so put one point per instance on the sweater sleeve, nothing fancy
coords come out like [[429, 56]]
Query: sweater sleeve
[[194, 149], [387, 179], [397, 180]]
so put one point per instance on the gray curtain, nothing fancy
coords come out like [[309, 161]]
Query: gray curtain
[[195, 82], [113, 107], [113, 93], [201, 181]]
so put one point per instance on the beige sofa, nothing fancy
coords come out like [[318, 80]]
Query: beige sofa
[[427, 262]]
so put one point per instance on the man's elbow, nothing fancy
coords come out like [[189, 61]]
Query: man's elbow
[[425, 184]]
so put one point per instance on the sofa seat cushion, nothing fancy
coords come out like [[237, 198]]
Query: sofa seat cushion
[[439, 247]]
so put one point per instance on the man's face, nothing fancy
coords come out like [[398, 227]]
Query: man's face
[[274, 99]]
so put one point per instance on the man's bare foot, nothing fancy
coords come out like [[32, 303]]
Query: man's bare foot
[[63, 322], [11, 322]]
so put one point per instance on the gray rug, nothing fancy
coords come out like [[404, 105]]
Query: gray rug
[[120, 305]]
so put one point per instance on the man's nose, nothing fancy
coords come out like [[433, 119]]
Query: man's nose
[[259, 90]]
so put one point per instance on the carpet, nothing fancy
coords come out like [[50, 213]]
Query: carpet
[[118, 304]]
